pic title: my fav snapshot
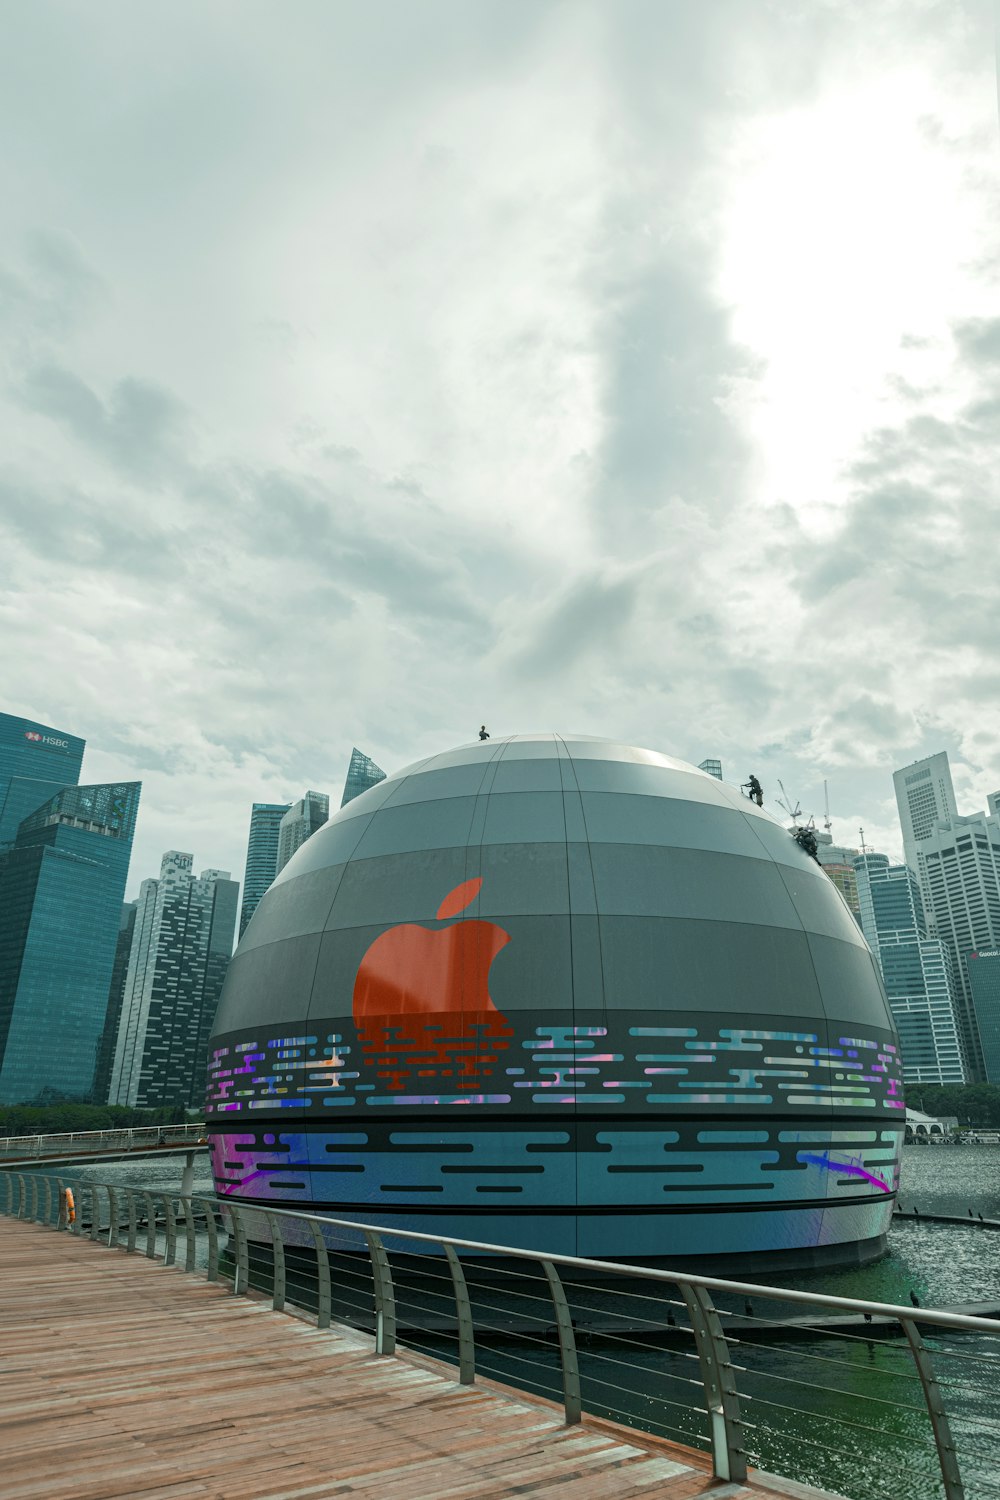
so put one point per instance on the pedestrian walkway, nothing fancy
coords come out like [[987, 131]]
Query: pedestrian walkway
[[121, 1378]]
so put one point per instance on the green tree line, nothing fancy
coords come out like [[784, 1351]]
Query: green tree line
[[973, 1103], [57, 1118]]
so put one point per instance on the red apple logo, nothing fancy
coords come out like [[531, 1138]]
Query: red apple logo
[[422, 1003]]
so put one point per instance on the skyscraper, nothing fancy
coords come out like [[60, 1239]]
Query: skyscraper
[[983, 973], [361, 774], [262, 855], [961, 860], [916, 969], [300, 823], [35, 761], [116, 995], [924, 794], [181, 948], [61, 887], [838, 862], [712, 767]]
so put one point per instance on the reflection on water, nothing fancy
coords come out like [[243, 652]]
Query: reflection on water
[[845, 1413]]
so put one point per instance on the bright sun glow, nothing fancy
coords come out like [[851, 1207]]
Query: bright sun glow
[[844, 244]]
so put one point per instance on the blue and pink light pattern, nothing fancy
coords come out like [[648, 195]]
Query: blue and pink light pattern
[[604, 1066]]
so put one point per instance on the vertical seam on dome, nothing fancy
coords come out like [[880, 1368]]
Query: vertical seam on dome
[[333, 902], [489, 772], [572, 983], [593, 879]]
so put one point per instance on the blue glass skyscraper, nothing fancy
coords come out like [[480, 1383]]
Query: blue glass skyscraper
[[262, 855], [61, 887], [915, 967], [35, 761], [361, 774]]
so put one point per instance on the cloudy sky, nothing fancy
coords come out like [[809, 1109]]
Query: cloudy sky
[[373, 369]]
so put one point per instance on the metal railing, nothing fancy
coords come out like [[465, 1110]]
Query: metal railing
[[801, 1383], [95, 1142]]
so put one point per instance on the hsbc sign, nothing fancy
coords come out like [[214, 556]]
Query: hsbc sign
[[46, 739]]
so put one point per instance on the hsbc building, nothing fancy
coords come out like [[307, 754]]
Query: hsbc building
[[35, 762], [567, 994]]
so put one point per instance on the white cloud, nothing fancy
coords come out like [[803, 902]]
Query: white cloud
[[376, 370]]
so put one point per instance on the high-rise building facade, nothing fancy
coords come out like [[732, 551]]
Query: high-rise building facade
[[300, 823], [181, 947], [838, 863], [116, 996], [35, 762], [983, 973], [262, 855], [924, 796], [711, 767], [61, 887], [961, 860], [361, 774], [916, 970]]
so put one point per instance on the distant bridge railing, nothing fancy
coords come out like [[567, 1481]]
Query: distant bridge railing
[[95, 1142], [870, 1399]]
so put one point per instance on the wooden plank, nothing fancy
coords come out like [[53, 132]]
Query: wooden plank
[[122, 1378]]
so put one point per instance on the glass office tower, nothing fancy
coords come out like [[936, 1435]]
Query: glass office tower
[[262, 855], [983, 973], [361, 774], [916, 968], [181, 948], [300, 823], [116, 996], [35, 761], [61, 888]]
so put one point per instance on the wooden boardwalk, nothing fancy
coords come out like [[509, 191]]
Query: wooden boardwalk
[[121, 1378]]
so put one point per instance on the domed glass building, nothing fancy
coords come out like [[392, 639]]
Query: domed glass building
[[567, 994]]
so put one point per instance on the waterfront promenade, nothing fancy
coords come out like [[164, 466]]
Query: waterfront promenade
[[121, 1378]]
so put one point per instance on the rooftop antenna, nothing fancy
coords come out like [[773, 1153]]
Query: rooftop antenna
[[826, 803], [864, 846], [785, 801]]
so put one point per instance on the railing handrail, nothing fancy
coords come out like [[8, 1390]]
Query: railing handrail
[[34, 1144], [966, 1321]]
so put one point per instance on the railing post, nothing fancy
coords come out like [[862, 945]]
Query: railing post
[[211, 1228], [22, 1196], [47, 1181], [170, 1253], [385, 1299], [150, 1226], [95, 1213], [191, 1243], [721, 1396], [241, 1276], [940, 1426], [567, 1344], [278, 1267], [133, 1225], [6, 1179], [112, 1216], [33, 1213], [325, 1307], [466, 1331]]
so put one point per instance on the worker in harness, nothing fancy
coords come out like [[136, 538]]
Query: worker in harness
[[484, 733], [806, 840], [756, 792]]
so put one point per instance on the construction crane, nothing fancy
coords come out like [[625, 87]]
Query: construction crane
[[826, 804], [785, 801]]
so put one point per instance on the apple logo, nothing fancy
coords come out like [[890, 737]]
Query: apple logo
[[422, 1003]]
